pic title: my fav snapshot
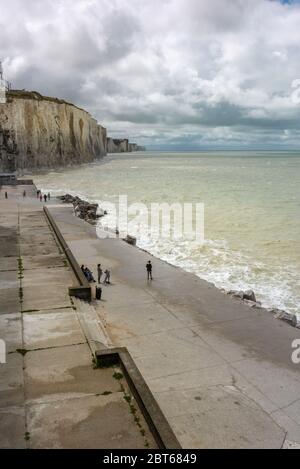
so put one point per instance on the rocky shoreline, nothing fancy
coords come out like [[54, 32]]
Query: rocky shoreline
[[248, 297], [83, 209]]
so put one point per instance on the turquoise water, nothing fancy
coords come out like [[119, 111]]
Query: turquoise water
[[252, 212]]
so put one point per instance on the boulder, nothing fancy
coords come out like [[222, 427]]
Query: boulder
[[236, 294], [283, 315], [130, 240], [83, 209], [296, 320], [249, 295]]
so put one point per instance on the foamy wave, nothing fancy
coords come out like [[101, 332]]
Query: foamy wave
[[229, 269]]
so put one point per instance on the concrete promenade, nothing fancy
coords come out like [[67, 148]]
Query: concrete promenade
[[50, 394], [221, 372]]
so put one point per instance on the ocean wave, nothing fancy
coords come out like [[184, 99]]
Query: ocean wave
[[228, 269]]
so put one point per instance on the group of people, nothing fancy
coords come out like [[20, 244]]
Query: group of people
[[90, 277], [40, 196]]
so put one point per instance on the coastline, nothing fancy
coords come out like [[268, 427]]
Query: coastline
[[243, 249], [244, 297]]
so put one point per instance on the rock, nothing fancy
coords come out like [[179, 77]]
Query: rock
[[284, 316], [243, 295], [296, 320], [249, 295], [83, 209], [101, 213], [236, 294], [130, 240]]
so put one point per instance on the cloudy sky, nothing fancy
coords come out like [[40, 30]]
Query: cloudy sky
[[170, 74]]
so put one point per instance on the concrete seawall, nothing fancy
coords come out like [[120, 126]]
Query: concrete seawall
[[220, 371]]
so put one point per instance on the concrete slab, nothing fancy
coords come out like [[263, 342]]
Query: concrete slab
[[183, 358], [49, 261], [239, 339], [29, 231], [37, 238], [51, 329], [9, 279], [8, 246], [120, 295], [293, 411], [263, 375], [8, 263], [240, 423], [11, 381], [45, 297], [8, 226], [12, 424], [61, 277], [38, 249], [127, 321], [11, 331], [9, 300], [290, 426], [65, 370], [99, 422]]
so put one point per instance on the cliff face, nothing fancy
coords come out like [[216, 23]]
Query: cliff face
[[37, 131], [117, 145], [122, 145]]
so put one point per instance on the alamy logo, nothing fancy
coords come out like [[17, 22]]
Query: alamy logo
[[296, 353], [2, 351], [155, 221]]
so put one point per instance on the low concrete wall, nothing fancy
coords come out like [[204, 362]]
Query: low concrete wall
[[25, 182], [157, 422], [83, 290]]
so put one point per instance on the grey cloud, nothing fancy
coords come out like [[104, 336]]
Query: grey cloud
[[179, 73]]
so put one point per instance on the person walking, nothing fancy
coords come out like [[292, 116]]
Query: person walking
[[24, 193], [48, 195], [107, 276], [45, 198], [100, 272], [6, 196], [38, 193], [149, 270], [41, 198]]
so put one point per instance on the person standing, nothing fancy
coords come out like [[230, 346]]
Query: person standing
[[41, 198], [49, 196], [24, 193], [100, 272], [6, 196], [149, 270]]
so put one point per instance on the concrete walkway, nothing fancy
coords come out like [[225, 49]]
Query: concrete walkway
[[221, 371], [50, 395]]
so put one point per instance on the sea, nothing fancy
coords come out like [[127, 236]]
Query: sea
[[251, 212]]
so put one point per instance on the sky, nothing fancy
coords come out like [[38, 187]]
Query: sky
[[168, 74]]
